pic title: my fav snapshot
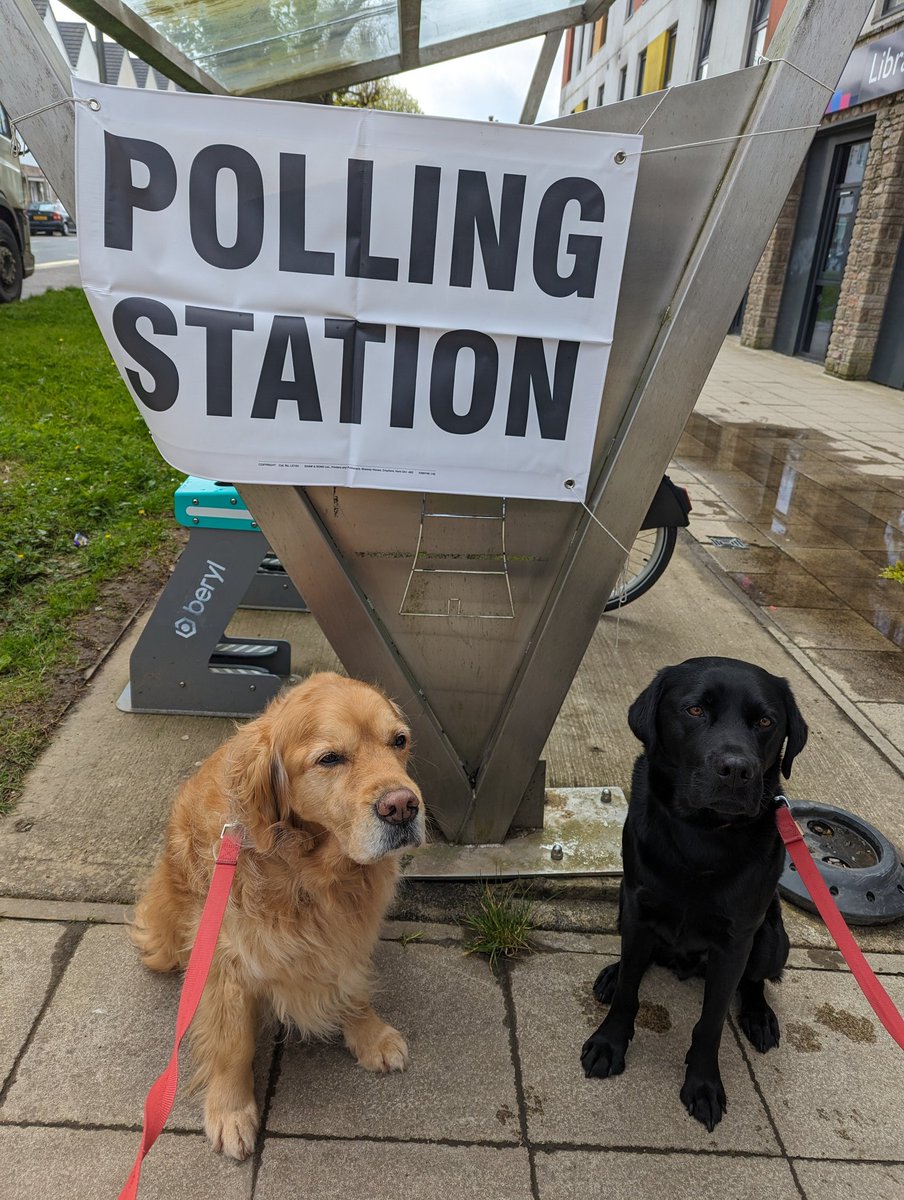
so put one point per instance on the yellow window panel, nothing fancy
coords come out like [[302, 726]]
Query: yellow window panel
[[654, 75]]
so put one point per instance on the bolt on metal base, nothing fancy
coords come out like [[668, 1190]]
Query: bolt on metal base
[[581, 835]]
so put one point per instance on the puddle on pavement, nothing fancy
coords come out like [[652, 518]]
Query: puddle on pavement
[[798, 492]]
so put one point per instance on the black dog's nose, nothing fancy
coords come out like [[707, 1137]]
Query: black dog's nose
[[734, 769], [398, 806]]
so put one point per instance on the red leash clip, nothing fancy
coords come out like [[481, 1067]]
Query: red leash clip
[[160, 1098], [879, 999]]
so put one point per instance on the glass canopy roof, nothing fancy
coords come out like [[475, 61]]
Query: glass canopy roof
[[294, 48]]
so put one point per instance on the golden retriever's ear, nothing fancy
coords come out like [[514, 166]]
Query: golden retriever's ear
[[258, 784]]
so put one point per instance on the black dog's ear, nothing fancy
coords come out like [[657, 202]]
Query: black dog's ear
[[796, 729], [642, 713]]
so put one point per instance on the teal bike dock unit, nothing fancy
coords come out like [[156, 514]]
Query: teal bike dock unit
[[205, 504], [184, 662]]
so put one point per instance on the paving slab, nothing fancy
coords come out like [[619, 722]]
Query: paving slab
[[26, 970], [104, 1039], [339, 1170], [613, 1175], [80, 1164], [460, 1081], [555, 1013], [833, 1085], [851, 1181]]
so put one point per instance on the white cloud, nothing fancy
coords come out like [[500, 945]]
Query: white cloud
[[492, 83]]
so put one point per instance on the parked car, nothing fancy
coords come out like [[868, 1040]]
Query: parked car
[[16, 258], [49, 217]]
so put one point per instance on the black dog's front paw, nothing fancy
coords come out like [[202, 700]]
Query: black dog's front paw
[[704, 1099], [761, 1028], [604, 988], [603, 1054]]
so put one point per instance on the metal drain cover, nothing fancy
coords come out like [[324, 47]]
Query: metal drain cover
[[863, 870]]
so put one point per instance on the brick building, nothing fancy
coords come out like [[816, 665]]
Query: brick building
[[830, 284]]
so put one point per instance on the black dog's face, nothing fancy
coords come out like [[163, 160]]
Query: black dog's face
[[716, 727]]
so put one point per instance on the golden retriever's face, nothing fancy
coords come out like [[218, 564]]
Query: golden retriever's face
[[338, 757]]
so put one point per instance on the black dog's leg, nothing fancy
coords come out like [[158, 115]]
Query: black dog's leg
[[604, 988], [767, 960], [756, 1018], [703, 1094], [604, 1053]]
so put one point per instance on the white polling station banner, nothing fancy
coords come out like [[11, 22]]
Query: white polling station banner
[[302, 294]]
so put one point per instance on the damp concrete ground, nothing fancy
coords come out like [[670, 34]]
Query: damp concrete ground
[[494, 1103]]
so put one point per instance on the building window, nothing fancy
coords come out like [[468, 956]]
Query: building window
[[600, 92], [576, 50], [758, 31], [669, 57], [891, 6], [629, 11], [641, 71], [623, 82], [599, 33], [588, 43], [707, 16]]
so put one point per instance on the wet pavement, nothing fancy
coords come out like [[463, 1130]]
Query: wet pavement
[[807, 472]]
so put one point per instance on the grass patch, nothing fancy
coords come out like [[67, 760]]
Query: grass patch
[[502, 924], [75, 459], [895, 572]]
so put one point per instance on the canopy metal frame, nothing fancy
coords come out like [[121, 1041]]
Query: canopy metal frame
[[137, 35], [719, 158]]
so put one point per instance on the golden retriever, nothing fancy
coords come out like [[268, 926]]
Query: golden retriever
[[320, 788]]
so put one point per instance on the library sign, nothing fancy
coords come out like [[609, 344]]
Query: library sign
[[301, 294], [874, 69]]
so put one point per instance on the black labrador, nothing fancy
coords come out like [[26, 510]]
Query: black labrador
[[702, 859]]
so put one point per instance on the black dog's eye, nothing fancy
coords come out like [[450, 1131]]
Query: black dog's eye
[[400, 741], [694, 710], [332, 759], [765, 722]]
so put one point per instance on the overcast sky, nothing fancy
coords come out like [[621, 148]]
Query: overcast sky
[[491, 84]]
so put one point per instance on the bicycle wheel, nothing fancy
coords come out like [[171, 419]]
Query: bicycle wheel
[[648, 558]]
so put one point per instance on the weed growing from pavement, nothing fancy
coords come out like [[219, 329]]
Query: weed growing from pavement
[[895, 572], [502, 923], [75, 459]]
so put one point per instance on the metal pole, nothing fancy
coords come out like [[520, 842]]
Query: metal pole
[[540, 77]]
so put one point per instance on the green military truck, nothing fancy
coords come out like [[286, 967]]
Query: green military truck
[[16, 258]]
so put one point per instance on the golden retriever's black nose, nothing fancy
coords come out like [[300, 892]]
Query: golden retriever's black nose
[[735, 769], [398, 806]]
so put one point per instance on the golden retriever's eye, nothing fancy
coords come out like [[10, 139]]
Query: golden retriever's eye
[[400, 741], [765, 722], [694, 710], [332, 759]]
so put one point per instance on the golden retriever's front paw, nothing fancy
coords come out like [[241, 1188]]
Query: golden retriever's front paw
[[232, 1133], [385, 1050]]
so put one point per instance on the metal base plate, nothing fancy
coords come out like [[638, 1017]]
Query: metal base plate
[[124, 704], [587, 827]]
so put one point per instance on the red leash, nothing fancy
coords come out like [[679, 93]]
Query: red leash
[[875, 993], [160, 1098]]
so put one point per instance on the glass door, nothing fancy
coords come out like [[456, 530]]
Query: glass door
[[833, 244]]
